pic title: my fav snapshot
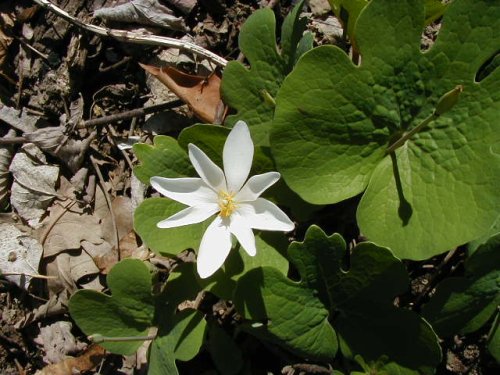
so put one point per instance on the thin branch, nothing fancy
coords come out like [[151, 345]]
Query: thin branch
[[34, 276], [137, 112], [133, 37]]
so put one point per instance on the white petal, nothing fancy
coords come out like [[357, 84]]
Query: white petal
[[207, 169], [264, 215], [214, 248], [190, 215], [256, 185], [243, 233], [237, 156], [189, 191]]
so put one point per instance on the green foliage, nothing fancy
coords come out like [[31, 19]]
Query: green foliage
[[334, 122], [252, 91], [348, 11], [132, 310], [465, 304], [164, 158], [333, 304], [128, 312]]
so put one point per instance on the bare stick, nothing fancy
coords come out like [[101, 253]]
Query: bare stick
[[34, 276], [133, 37], [138, 112]]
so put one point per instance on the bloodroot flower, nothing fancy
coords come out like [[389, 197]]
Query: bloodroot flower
[[228, 194]]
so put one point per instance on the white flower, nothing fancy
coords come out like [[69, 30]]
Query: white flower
[[225, 193]]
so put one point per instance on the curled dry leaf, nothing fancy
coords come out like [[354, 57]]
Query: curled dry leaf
[[202, 94], [19, 254], [34, 183], [145, 12], [83, 363], [5, 158], [185, 6], [6, 23], [57, 341], [54, 141]]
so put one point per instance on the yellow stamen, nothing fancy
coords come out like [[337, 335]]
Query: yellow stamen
[[226, 204]]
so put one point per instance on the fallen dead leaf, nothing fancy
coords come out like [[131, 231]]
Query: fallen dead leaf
[[5, 158], [17, 119], [85, 362], [54, 140], [34, 183], [202, 94], [185, 6], [6, 23], [145, 12], [57, 341], [19, 255], [68, 227]]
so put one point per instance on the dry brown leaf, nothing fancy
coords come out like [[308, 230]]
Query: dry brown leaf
[[5, 158], [85, 362], [6, 23], [57, 341], [145, 12], [34, 183], [17, 119], [54, 140], [71, 228], [19, 254], [202, 94]]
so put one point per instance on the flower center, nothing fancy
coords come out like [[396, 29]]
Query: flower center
[[227, 204]]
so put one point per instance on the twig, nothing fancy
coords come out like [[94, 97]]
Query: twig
[[134, 113], [133, 37], [108, 202], [113, 135], [138, 112], [12, 140], [34, 276]]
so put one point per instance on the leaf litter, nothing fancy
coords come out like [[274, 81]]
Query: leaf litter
[[66, 78]]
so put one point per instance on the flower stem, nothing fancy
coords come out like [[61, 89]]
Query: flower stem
[[401, 141]]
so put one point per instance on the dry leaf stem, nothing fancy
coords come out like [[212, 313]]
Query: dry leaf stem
[[133, 37]]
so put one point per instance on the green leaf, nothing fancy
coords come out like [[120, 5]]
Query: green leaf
[[252, 91], [180, 334], [181, 342], [165, 158], [166, 241], [297, 320], [348, 11], [334, 122], [465, 304], [211, 139], [494, 339], [225, 353], [270, 249], [357, 301], [127, 312]]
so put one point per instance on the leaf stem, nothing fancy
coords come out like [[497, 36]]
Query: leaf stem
[[401, 141], [100, 339]]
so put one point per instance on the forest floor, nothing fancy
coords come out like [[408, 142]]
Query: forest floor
[[75, 220]]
